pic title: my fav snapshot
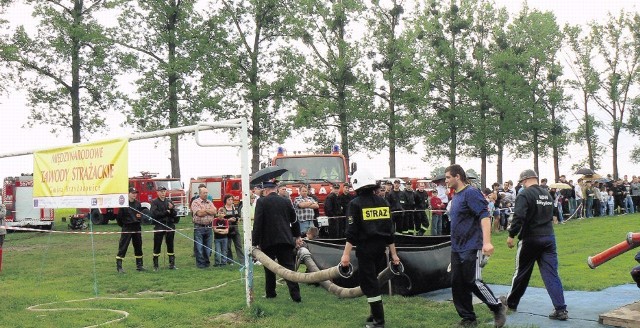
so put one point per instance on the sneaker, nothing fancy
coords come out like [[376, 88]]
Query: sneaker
[[466, 323], [500, 316], [559, 315], [374, 324]]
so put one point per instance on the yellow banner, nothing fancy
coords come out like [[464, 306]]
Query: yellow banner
[[75, 171]]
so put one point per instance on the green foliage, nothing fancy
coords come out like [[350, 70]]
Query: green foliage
[[64, 68]]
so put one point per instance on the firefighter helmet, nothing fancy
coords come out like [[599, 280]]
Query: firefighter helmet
[[526, 174], [363, 178]]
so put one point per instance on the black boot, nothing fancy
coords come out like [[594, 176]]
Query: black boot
[[172, 262], [377, 315], [156, 267], [119, 266], [139, 266]]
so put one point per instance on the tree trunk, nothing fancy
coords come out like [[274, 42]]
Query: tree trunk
[[254, 95], [587, 131], [392, 134], [536, 151], [343, 118], [614, 150], [173, 93], [499, 162], [554, 147], [75, 74]]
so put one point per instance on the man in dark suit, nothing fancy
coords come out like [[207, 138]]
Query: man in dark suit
[[276, 233]]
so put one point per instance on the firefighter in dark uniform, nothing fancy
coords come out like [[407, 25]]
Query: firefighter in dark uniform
[[397, 199], [164, 213], [421, 204], [370, 229], [129, 219], [533, 223]]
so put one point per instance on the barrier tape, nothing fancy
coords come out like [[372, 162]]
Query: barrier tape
[[89, 232]]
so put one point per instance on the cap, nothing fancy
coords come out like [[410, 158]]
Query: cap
[[396, 181], [388, 182], [336, 186], [268, 184], [162, 188], [133, 190]]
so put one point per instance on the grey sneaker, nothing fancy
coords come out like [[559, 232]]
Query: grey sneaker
[[559, 315], [500, 316]]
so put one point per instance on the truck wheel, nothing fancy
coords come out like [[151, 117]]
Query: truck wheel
[[96, 217]]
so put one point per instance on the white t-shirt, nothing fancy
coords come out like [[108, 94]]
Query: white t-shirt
[[442, 193], [578, 192]]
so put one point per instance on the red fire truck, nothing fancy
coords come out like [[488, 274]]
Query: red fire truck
[[218, 186], [17, 196], [319, 171], [147, 185]]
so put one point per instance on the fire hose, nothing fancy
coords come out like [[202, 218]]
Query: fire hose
[[392, 270], [632, 241], [300, 277]]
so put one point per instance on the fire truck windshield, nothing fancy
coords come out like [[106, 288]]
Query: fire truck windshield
[[330, 168], [170, 185]]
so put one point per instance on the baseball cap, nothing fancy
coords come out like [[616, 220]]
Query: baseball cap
[[133, 190], [268, 184], [162, 188], [336, 186], [396, 181]]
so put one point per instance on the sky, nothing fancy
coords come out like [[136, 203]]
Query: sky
[[149, 155]]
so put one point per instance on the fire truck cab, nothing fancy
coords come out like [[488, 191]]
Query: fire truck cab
[[17, 196], [318, 171], [147, 185], [218, 187]]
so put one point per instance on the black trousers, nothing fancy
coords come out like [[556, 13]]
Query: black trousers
[[126, 238], [337, 226], [420, 220], [466, 278], [167, 235], [371, 261], [283, 253]]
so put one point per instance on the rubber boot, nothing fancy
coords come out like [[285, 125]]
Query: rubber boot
[[139, 266], [172, 262], [119, 266], [156, 267], [377, 315]]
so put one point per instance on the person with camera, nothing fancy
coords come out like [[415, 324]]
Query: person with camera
[[130, 218], [164, 215]]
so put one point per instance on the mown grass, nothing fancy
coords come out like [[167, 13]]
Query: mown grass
[[46, 268]]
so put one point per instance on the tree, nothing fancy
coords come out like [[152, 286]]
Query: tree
[[617, 47], [64, 67], [156, 41], [253, 72], [536, 39], [395, 74], [443, 53], [331, 96], [587, 82]]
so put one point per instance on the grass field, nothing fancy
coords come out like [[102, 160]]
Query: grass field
[[66, 271]]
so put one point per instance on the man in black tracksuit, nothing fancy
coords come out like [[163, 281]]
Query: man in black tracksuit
[[164, 213], [533, 223], [129, 219], [397, 200], [421, 199], [333, 210], [371, 230]]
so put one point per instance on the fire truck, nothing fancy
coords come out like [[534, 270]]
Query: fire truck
[[218, 187], [147, 185], [318, 171], [17, 196]]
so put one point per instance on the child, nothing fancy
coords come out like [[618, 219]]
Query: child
[[220, 232], [610, 203]]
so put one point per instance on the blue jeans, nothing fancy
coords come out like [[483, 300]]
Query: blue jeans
[[203, 237], [572, 205], [560, 214], [221, 250], [611, 208], [305, 225], [628, 205], [603, 208], [581, 211], [436, 224], [589, 207]]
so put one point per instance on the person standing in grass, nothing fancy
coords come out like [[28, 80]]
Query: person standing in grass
[[470, 243], [164, 214], [370, 229], [533, 223], [129, 218]]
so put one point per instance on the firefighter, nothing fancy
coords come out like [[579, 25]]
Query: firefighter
[[164, 213], [370, 228], [533, 224], [129, 219]]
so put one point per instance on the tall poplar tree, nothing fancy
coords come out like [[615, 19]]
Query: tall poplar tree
[[64, 67]]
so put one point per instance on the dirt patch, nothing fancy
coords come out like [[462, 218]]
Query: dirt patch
[[154, 292], [231, 319], [25, 248]]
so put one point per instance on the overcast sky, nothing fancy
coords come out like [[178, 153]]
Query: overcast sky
[[197, 161]]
